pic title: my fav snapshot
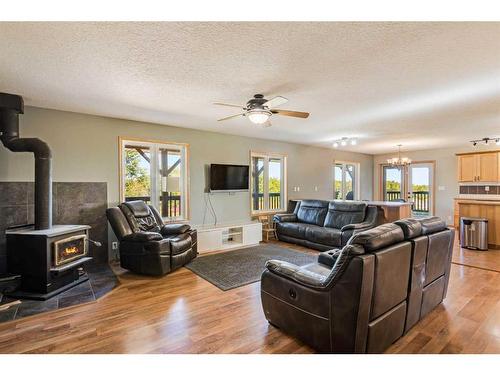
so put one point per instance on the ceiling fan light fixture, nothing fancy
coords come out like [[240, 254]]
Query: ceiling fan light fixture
[[259, 116]]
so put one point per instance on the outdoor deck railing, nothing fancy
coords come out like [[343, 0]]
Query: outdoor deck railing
[[274, 201], [420, 199]]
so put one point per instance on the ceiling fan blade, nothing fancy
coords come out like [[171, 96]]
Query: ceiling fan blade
[[276, 101], [231, 105], [286, 112], [230, 117]]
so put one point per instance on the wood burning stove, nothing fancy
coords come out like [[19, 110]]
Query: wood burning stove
[[49, 260], [47, 257]]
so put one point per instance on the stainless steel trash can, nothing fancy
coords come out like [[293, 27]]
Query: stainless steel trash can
[[474, 233]]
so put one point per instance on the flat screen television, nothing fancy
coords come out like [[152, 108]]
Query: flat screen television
[[227, 177]]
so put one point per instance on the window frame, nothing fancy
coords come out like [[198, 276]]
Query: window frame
[[357, 182], [155, 184], [284, 185]]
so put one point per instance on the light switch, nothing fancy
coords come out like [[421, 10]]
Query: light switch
[[315, 188], [487, 188], [441, 188]]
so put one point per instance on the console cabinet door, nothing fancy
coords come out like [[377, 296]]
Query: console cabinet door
[[467, 168], [487, 170]]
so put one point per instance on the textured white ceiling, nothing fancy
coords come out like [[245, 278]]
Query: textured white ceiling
[[425, 85]]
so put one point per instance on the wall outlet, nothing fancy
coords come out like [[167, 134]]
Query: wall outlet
[[114, 245]]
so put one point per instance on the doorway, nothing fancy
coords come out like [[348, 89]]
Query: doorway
[[413, 183]]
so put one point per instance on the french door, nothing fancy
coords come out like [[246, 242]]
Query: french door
[[413, 183], [421, 188]]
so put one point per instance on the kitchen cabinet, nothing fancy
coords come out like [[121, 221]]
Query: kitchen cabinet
[[478, 167]]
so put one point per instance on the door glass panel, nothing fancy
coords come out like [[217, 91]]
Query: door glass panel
[[137, 173], [350, 176], [170, 168], [257, 183], [275, 173], [338, 181], [392, 184], [420, 189]]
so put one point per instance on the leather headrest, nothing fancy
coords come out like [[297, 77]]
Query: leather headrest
[[316, 203], [432, 225], [138, 208], [347, 206], [411, 227], [379, 237]]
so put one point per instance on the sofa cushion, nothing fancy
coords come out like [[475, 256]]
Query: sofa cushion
[[432, 225], [324, 235], [312, 212], [411, 227], [379, 237], [296, 230], [342, 213]]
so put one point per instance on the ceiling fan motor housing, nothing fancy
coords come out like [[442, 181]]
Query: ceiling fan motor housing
[[258, 101]]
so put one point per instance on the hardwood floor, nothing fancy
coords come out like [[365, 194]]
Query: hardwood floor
[[182, 313]]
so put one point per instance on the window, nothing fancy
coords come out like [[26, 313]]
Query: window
[[268, 182], [157, 174], [346, 181]]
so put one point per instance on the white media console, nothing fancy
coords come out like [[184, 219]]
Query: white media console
[[228, 236]]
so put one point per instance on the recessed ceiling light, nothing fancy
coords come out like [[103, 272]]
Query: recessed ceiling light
[[343, 142], [354, 142], [335, 144]]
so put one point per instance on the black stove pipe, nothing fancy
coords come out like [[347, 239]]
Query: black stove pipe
[[10, 108]]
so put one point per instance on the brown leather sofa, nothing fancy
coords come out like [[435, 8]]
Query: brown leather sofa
[[381, 283], [147, 246], [323, 225]]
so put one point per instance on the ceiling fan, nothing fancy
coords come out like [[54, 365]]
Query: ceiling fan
[[259, 110]]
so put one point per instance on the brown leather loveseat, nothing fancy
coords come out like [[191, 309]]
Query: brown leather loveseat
[[381, 283]]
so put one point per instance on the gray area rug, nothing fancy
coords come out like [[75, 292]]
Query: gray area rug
[[236, 268]]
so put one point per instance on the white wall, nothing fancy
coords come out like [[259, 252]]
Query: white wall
[[445, 175], [85, 148]]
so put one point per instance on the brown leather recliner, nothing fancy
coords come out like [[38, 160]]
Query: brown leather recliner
[[147, 246], [362, 303]]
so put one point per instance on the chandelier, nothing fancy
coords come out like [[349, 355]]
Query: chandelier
[[399, 161]]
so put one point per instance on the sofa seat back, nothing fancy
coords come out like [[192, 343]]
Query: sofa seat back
[[312, 211], [432, 245], [343, 213]]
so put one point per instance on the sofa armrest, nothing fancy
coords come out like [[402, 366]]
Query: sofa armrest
[[170, 229], [296, 273], [285, 218], [357, 226], [142, 237], [369, 222]]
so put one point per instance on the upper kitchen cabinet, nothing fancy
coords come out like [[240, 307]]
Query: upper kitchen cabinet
[[478, 167]]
